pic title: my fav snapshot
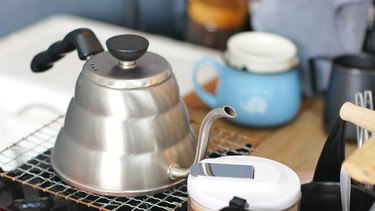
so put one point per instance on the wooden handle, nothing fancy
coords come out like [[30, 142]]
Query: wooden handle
[[360, 165], [357, 115]]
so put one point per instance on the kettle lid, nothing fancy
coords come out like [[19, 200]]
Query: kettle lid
[[127, 64]]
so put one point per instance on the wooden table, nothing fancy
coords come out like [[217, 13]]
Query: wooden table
[[297, 144]]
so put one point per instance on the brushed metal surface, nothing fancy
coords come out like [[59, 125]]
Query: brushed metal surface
[[120, 140]]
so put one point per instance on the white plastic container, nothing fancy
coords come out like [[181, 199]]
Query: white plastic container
[[273, 186]]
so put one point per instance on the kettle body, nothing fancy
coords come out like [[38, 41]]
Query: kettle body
[[127, 130], [125, 134]]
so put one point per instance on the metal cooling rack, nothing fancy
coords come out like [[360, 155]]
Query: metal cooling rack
[[28, 162]]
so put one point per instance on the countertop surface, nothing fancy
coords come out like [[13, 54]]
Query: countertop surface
[[29, 100]]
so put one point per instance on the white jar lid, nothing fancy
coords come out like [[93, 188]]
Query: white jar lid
[[274, 186], [261, 52]]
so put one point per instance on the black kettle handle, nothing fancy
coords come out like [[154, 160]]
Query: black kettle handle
[[84, 40], [332, 155]]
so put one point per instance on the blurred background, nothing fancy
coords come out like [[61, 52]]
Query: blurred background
[[320, 28], [165, 17]]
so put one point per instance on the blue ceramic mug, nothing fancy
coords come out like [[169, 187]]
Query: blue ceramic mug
[[260, 100]]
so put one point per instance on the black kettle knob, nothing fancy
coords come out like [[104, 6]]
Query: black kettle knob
[[128, 47]]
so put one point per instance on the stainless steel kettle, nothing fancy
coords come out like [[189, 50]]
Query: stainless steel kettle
[[127, 130]]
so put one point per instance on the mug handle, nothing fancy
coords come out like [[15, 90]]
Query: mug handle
[[314, 74], [210, 99]]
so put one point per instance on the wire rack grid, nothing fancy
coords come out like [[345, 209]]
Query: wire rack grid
[[28, 162]]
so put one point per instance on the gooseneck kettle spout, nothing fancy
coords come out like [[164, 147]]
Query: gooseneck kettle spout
[[175, 171]]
